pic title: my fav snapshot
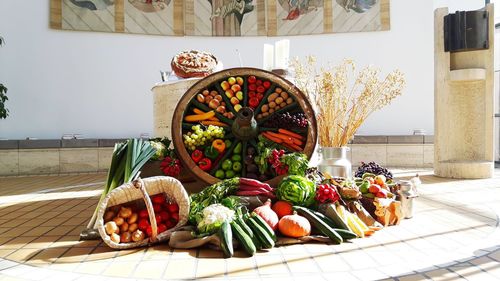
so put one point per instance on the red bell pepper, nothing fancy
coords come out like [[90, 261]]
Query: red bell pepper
[[197, 155], [205, 164]]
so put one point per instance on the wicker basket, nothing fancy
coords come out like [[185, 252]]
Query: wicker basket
[[141, 189]]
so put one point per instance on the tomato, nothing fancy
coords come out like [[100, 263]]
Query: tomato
[[173, 208], [374, 188], [157, 208], [175, 217], [252, 87], [261, 89], [158, 219], [164, 216], [258, 82], [260, 96], [266, 84], [170, 224], [158, 198], [252, 79], [143, 213], [253, 102], [252, 94], [143, 224], [161, 228], [149, 231]]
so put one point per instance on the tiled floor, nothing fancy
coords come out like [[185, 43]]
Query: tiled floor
[[453, 236]]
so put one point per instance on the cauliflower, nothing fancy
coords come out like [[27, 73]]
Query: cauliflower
[[160, 150], [213, 217]]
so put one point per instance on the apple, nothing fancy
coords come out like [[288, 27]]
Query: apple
[[237, 107], [252, 79], [380, 180], [252, 94], [252, 87], [266, 84], [229, 93], [370, 179], [235, 100], [258, 82], [231, 80], [374, 188], [239, 80], [225, 85], [261, 89], [236, 88], [239, 95]]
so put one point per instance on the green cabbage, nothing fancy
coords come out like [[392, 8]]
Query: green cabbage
[[297, 190]]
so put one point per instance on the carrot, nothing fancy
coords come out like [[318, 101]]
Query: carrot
[[199, 112], [297, 142], [286, 139], [215, 123], [271, 138], [199, 117], [292, 147], [292, 134]]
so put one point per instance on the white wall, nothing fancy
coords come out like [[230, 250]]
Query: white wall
[[98, 84]]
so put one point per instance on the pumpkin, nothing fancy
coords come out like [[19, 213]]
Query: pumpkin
[[294, 226], [282, 208], [266, 213]]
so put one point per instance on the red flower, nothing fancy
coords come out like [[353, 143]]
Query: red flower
[[171, 166]]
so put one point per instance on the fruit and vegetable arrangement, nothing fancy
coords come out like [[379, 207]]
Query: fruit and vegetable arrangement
[[304, 206], [244, 125]]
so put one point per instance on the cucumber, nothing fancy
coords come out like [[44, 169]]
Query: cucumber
[[345, 234], [319, 224], [244, 239], [259, 220], [226, 239], [330, 211], [249, 231], [266, 241]]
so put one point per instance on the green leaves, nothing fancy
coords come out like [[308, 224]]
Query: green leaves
[[297, 163], [297, 190]]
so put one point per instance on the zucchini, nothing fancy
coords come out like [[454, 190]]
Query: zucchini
[[226, 239], [266, 240], [249, 232], [244, 239], [345, 234], [319, 224], [260, 221], [330, 211]]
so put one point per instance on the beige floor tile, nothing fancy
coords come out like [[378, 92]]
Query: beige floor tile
[[331, 263], [241, 267], [70, 267], [102, 253], [6, 252], [344, 276], [413, 277], [150, 269], [207, 268], [47, 255], [41, 242], [158, 252], [16, 243], [38, 231], [184, 253], [180, 269], [298, 263], [442, 275], [120, 269], [22, 255], [92, 267], [74, 255], [209, 253], [131, 255], [271, 265]]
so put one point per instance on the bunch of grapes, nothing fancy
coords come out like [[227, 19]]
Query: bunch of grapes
[[287, 120], [200, 137], [374, 168]]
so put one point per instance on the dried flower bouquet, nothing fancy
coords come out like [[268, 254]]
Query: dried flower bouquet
[[342, 105]]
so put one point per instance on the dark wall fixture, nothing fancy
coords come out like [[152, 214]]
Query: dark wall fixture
[[466, 31]]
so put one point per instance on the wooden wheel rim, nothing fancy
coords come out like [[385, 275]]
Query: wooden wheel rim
[[205, 83]]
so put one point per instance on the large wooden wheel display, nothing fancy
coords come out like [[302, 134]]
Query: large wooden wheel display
[[246, 108]]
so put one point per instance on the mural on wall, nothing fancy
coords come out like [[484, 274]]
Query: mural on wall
[[88, 15], [356, 15], [149, 17], [299, 17], [225, 17], [221, 17]]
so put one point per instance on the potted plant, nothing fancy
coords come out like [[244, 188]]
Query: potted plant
[[4, 112]]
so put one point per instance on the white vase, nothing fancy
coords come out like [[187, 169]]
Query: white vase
[[334, 161]]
